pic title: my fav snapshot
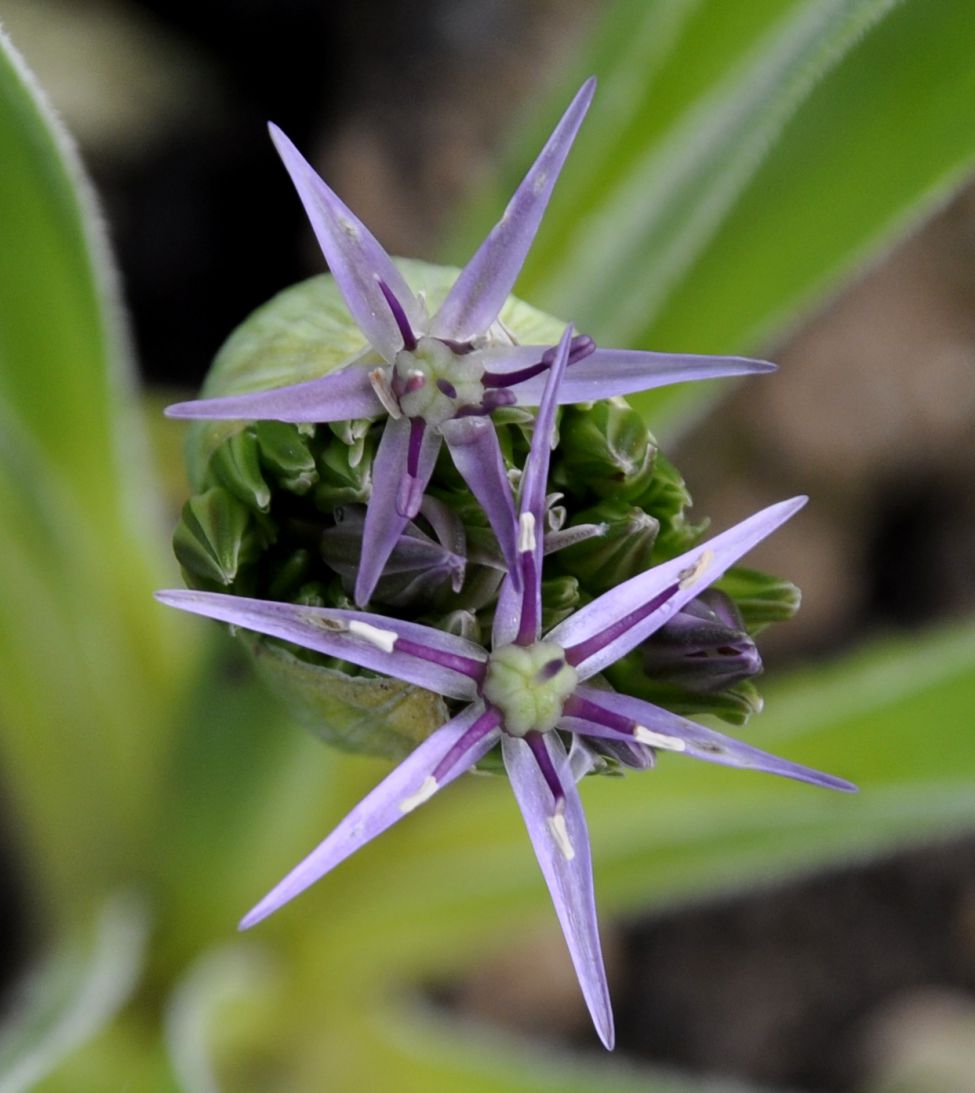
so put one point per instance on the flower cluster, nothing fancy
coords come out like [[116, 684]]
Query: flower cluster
[[545, 688]]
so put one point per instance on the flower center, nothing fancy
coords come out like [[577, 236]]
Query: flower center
[[434, 382], [529, 684]]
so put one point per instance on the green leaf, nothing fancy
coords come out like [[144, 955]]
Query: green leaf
[[73, 996], [740, 162], [89, 660]]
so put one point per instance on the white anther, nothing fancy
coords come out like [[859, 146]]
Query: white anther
[[695, 572], [526, 532], [644, 735], [560, 833], [384, 392], [424, 793], [382, 639]]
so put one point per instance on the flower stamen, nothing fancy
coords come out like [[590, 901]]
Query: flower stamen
[[382, 639], [379, 382]]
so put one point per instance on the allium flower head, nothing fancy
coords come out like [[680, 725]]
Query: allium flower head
[[439, 377], [534, 693]]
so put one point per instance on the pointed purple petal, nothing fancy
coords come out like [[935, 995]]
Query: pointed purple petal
[[384, 521], [569, 881], [474, 447], [534, 481], [618, 612], [507, 614], [394, 797], [608, 372], [354, 256], [479, 292], [339, 396], [696, 740], [326, 631]]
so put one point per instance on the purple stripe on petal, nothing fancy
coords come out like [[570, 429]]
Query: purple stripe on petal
[[696, 740], [569, 880], [484, 284], [357, 261], [608, 372], [384, 522], [357, 636], [339, 396], [474, 447], [389, 802], [691, 572], [534, 485], [488, 721]]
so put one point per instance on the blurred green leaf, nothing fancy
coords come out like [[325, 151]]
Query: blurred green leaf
[[740, 162], [88, 658], [73, 996], [457, 881]]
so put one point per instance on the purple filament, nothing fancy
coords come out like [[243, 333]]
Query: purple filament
[[416, 442], [579, 348], [536, 741], [406, 331], [528, 625]]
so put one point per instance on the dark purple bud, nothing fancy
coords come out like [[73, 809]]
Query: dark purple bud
[[704, 648], [421, 573]]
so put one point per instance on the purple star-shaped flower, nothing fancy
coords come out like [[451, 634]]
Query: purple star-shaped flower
[[439, 377], [529, 692]]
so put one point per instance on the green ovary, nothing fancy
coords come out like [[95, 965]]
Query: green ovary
[[433, 360], [529, 684]]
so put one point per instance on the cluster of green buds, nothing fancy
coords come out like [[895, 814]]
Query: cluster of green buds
[[278, 513]]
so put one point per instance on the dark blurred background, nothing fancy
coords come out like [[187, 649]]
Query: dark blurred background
[[402, 107]]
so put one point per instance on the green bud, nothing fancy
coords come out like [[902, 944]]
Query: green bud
[[341, 483], [760, 597], [236, 467], [214, 537], [734, 705], [621, 552], [560, 597], [285, 454], [608, 449], [290, 575], [665, 498]]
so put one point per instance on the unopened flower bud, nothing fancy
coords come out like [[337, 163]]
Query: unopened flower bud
[[341, 482], [760, 597], [235, 465], [422, 572], [620, 552], [608, 449], [704, 648], [285, 454], [214, 537]]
